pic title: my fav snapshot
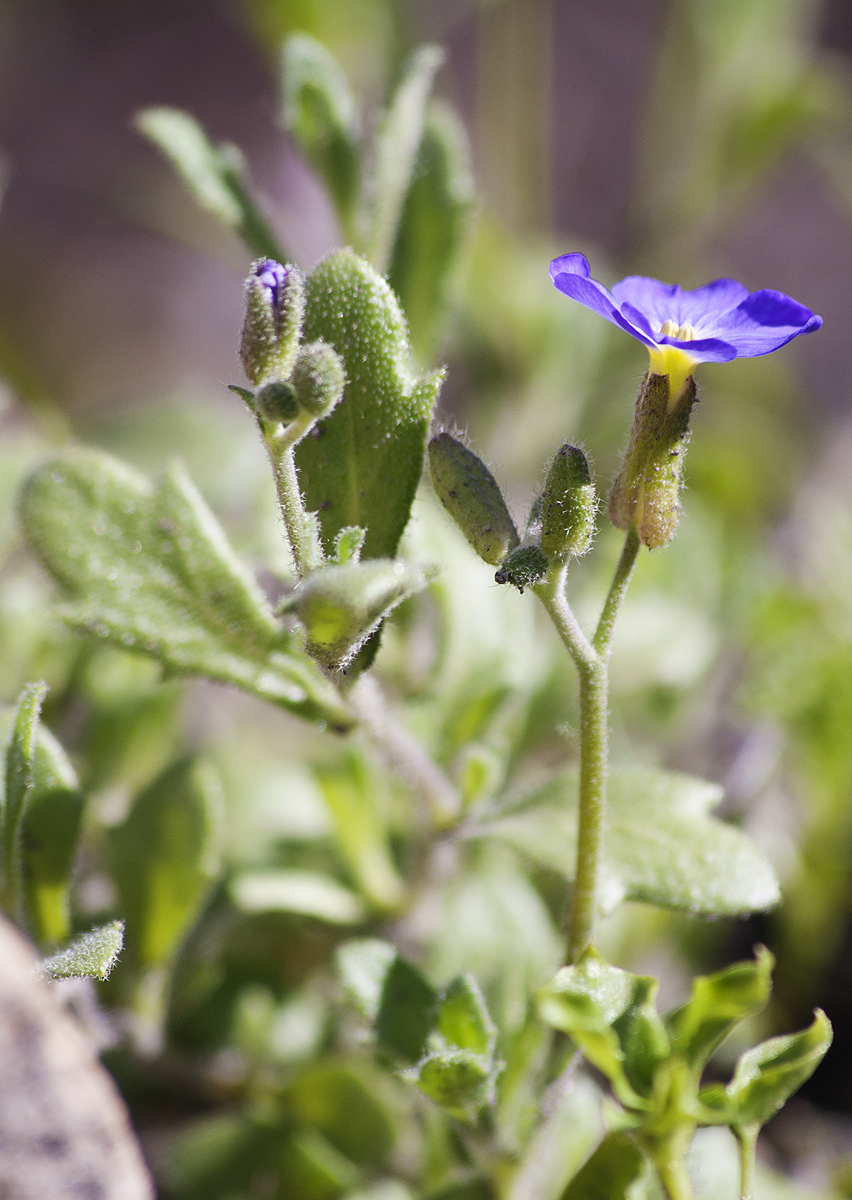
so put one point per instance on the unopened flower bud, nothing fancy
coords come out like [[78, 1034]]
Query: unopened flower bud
[[275, 307], [276, 403], [568, 505], [317, 379], [646, 492], [523, 567], [470, 494]]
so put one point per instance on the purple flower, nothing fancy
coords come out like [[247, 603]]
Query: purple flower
[[272, 275], [715, 323]]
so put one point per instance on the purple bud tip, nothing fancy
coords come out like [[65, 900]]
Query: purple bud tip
[[272, 275]]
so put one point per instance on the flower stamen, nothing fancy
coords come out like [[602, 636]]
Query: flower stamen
[[683, 333]]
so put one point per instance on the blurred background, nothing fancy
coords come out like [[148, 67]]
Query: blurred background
[[684, 139]]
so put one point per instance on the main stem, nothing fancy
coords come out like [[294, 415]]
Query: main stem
[[592, 661]]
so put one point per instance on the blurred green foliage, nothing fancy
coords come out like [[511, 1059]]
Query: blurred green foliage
[[243, 849]]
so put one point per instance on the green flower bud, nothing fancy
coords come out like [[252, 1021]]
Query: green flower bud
[[523, 567], [317, 379], [276, 403], [646, 491], [340, 606], [470, 494], [568, 504], [275, 308]]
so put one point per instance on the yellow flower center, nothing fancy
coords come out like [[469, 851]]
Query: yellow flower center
[[672, 361]]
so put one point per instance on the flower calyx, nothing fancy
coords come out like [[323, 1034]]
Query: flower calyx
[[646, 491]]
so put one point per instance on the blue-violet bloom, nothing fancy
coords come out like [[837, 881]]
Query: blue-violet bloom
[[272, 275], [715, 323]]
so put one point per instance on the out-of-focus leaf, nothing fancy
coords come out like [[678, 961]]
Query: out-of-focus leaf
[[216, 175], [49, 829], [361, 466], [164, 859], [305, 892], [407, 1010], [19, 782], [310, 1168], [364, 965], [345, 1105], [397, 143], [433, 229], [662, 845], [494, 923], [609, 1174], [460, 1081], [319, 110], [150, 569], [94, 954], [718, 1003], [571, 1127], [767, 1075], [351, 792], [463, 1019]]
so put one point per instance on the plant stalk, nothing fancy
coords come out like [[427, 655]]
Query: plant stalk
[[281, 456], [591, 659]]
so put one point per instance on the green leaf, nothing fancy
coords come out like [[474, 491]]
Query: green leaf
[[407, 1010], [319, 111], [461, 1081], [662, 845], [150, 569], [164, 859], [434, 227], [312, 1169], [362, 465], [718, 1003], [94, 954], [352, 793], [615, 1166], [463, 1020], [345, 1105], [767, 1075], [18, 789], [593, 1002], [570, 1129], [396, 149], [305, 892], [216, 175], [340, 606], [49, 829], [363, 966]]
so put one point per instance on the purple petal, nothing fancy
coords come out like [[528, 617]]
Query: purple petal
[[654, 299], [272, 275], [570, 274], [765, 321], [703, 349], [701, 307]]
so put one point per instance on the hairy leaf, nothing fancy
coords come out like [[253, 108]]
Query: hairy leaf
[[150, 569], [361, 465], [94, 954]]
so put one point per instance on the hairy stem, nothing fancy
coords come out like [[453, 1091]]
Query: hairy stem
[[617, 590], [302, 542], [404, 752], [591, 659]]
